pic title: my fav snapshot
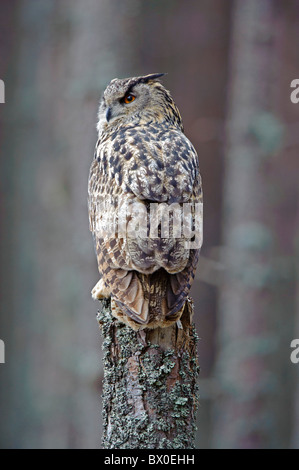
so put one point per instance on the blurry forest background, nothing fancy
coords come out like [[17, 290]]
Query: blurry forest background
[[230, 65]]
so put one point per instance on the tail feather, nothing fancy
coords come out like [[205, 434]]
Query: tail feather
[[151, 299]]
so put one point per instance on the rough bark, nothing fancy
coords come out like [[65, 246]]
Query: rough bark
[[149, 390]]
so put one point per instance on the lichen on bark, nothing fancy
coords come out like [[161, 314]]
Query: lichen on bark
[[150, 394]]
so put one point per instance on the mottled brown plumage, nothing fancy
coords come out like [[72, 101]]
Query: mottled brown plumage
[[142, 159]]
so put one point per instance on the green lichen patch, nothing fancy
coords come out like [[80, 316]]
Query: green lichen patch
[[149, 392]]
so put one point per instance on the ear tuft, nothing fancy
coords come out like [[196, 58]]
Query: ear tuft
[[152, 76]]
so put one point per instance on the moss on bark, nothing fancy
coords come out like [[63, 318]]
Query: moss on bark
[[149, 391]]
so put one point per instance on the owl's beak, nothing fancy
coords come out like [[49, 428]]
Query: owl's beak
[[108, 114]]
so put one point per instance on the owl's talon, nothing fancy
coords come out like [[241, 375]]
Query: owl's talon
[[100, 291]]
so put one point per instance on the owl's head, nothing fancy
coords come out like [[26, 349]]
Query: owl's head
[[137, 100]]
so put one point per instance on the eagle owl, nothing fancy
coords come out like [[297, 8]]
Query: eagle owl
[[143, 163]]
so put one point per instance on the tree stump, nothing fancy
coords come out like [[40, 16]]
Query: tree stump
[[149, 390]]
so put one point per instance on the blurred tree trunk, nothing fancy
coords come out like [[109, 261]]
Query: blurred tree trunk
[[288, 223], [7, 48], [257, 301], [294, 444], [65, 53], [190, 41]]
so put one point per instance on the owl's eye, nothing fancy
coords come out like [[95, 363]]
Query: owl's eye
[[129, 98]]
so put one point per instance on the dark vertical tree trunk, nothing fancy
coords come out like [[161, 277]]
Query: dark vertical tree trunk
[[257, 300], [287, 213], [190, 41], [150, 392], [294, 444]]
